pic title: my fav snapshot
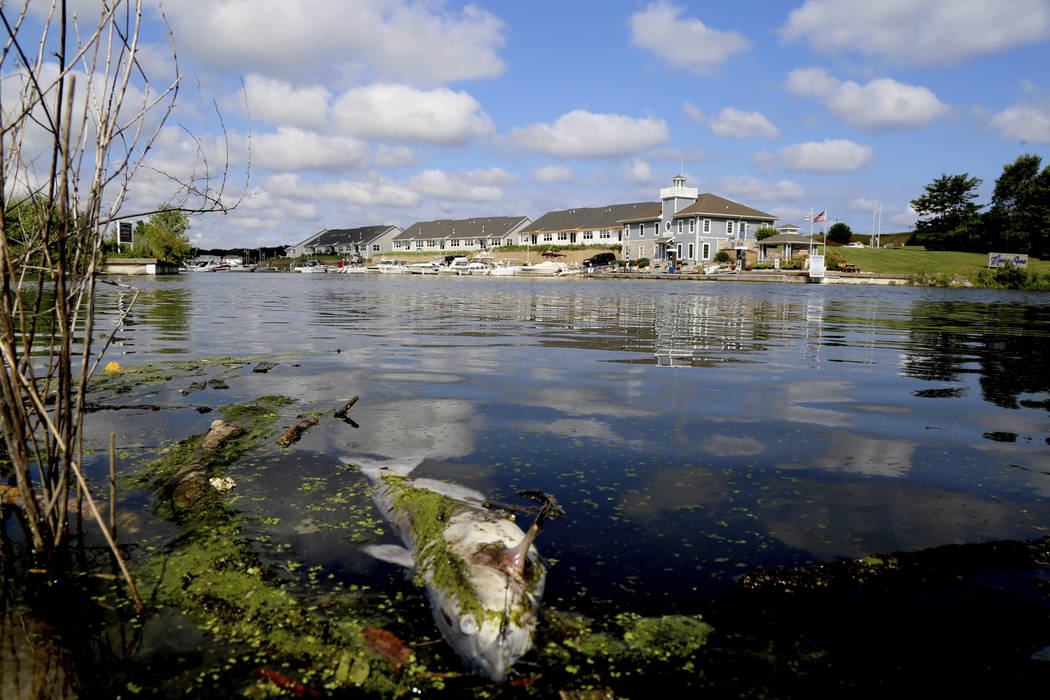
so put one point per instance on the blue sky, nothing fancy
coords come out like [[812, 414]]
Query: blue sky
[[389, 111]]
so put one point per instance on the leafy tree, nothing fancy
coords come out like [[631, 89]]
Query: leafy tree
[[949, 217], [765, 232], [1019, 218], [840, 233], [163, 235]]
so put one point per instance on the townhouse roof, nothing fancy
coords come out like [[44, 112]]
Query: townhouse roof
[[345, 236], [651, 212], [589, 218], [479, 227], [713, 205]]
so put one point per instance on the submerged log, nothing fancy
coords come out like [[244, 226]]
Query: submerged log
[[296, 432]]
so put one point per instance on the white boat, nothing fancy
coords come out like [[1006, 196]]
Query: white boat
[[392, 267], [240, 267], [455, 265], [505, 268], [354, 270], [475, 267], [312, 267], [424, 268], [548, 268], [206, 266]]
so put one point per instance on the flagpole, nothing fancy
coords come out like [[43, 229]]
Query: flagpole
[[825, 232]]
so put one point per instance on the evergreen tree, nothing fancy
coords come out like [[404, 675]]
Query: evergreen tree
[[840, 233], [949, 217], [1019, 218]]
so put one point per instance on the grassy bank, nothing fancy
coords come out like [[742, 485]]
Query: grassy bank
[[933, 265]]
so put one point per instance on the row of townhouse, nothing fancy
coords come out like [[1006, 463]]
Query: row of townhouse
[[685, 224]]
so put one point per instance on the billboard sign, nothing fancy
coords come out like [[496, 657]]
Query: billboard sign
[[125, 233]]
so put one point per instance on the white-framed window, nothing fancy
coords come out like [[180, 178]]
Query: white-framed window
[[707, 225], [431, 243], [471, 243], [375, 247], [707, 251], [562, 236], [419, 245], [548, 237], [678, 252], [681, 226], [588, 235], [454, 243], [667, 225], [605, 234], [523, 240], [641, 230], [627, 229], [729, 228], [743, 229], [692, 226], [691, 251]]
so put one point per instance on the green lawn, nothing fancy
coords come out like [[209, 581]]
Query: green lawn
[[917, 261]]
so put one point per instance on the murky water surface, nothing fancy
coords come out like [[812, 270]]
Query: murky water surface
[[692, 431]]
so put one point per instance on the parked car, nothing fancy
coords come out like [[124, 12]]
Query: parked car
[[600, 260]]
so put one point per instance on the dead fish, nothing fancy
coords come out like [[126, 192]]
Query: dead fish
[[480, 572]]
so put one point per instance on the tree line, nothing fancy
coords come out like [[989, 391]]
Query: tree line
[[1017, 220]]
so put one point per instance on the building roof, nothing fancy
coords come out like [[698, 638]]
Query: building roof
[[480, 227], [349, 236], [713, 205], [588, 218], [650, 212], [783, 238]]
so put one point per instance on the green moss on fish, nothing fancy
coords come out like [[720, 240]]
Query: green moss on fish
[[429, 514]]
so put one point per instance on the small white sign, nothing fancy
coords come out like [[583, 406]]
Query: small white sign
[[1004, 259], [816, 266]]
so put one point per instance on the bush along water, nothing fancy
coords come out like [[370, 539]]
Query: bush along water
[[1011, 277]]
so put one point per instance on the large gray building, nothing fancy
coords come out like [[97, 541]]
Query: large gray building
[[693, 226]]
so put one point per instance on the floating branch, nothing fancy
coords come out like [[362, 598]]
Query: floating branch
[[341, 413]]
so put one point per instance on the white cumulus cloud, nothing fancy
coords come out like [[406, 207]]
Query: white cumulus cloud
[[755, 190], [1023, 123], [295, 149], [402, 113], [827, 156], [880, 104], [422, 43], [442, 185], [553, 173], [918, 32], [378, 192], [684, 43], [734, 123], [637, 171], [280, 102], [583, 134]]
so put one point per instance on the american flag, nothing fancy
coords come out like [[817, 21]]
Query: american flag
[[820, 217]]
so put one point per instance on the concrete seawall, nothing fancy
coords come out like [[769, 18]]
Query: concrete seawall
[[782, 276], [139, 266]]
